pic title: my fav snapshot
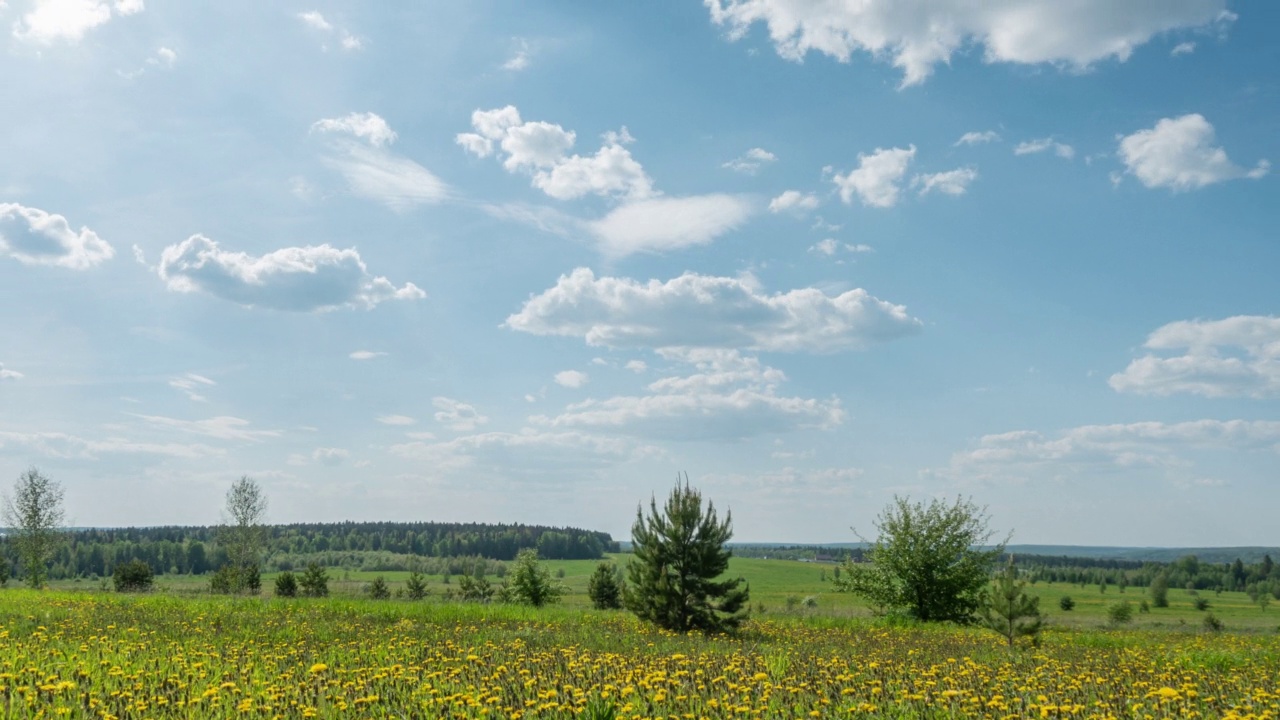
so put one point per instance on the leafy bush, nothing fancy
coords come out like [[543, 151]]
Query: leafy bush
[[286, 585], [230, 579], [1212, 623], [133, 576], [1066, 603], [1201, 604], [1120, 613], [530, 582]]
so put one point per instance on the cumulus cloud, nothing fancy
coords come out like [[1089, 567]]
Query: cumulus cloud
[[50, 21], [878, 178], [916, 37], [668, 223], [1151, 444], [951, 182], [302, 279], [571, 378], [636, 366], [317, 22], [1234, 357], [359, 148], [35, 237], [978, 138], [750, 162], [793, 200], [365, 355], [330, 456], [541, 150], [457, 415], [1181, 154], [1034, 147], [706, 311], [7, 374], [728, 397]]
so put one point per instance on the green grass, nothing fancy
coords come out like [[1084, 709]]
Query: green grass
[[772, 582]]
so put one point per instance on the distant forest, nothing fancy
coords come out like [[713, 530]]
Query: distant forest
[[437, 548]]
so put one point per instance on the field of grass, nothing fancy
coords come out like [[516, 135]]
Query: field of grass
[[102, 655], [776, 584]]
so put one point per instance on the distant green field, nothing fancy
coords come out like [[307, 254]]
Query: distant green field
[[773, 582]]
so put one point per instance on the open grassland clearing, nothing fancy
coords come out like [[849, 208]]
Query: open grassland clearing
[[104, 655], [781, 587]]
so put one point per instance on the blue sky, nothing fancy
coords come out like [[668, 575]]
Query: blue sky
[[527, 261]]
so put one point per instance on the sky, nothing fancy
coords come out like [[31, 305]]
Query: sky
[[529, 261]]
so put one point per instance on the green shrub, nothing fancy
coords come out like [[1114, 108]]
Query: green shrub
[[133, 576], [1066, 603], [1120, 613], [416, 586], [286, 585], [315, 581], [1201, 604], [378, 589], [604, 587], [1212, 623]]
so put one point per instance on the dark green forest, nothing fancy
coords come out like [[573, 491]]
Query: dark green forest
[[429, 547]]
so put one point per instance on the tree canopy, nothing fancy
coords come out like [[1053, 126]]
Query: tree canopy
[[679, 552], [929, 560]]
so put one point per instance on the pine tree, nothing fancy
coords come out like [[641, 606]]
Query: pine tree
[[315, 581], [1009, 610], [416, 586], [679, 553], [378, 589], [286, 585], [604, 587]]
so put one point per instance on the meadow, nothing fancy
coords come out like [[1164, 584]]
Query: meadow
[[178, 652]]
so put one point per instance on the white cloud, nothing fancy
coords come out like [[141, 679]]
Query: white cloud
[[1234, 357], [951, 182], [530, 452], [750, 162], [636, 366], [793, 200], [541, 150], [63, 445], [1184, 48], [977, 138], [1033, 147], [190, 383], [7, 374], [668, 223], [729, 397], [1154, 444], [457, 415], [222, 427], [520, 59], [361, 154], [878, 178], [571, 378], [319, 23], [49, 21], [1180, 154], [35, 237], [369, 127], [303, 279], [920, 35], [365, 355], [830, 247], [330, 456], [398, 420], [705, 311]]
